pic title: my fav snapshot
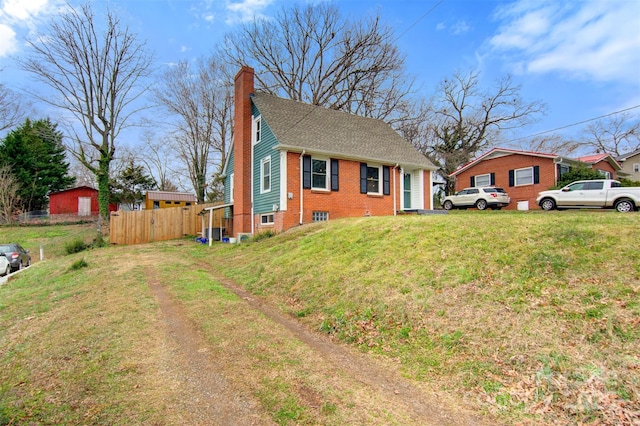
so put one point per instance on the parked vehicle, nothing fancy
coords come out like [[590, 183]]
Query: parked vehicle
[[479, 197], [17, 256], [600, 193], [5, 266]]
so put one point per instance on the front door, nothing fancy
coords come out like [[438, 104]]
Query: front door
[[407, 191], [84, 206]]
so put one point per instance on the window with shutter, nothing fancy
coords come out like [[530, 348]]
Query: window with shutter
[[335, 182]]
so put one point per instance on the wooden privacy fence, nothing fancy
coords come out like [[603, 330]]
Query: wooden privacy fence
[[143, 226]]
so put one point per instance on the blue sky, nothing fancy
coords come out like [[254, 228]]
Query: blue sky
[[582, 58]]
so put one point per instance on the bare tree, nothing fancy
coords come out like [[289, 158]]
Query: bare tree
[[553, 144], [8, 194], [95, 73], [12, 109], [465, 120], [312, 54], [200, 98], [616, 134], [156, 155]]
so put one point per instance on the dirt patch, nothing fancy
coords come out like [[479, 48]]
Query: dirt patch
[[203, 392], [209, 392]]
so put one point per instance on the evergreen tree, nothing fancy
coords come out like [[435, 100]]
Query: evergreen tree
[[130, 185], [36, 157]]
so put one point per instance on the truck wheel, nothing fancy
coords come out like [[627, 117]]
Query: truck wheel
[[481, 204], [548, 204], [448, 205], [624, 205]]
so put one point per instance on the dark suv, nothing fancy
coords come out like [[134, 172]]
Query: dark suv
[[16, 255]]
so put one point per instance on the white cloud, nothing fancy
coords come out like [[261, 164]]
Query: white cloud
[[590, 40], [460, 27], [8, 42], [246, 10], [18, 16], [23, 10]]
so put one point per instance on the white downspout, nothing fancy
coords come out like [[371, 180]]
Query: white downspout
[[395, 209], [301, 186], [210, 232], [251, 171]]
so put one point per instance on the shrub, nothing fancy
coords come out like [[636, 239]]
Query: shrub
[[78, 264], [99, 241], [578, 173], [264, 235], [75, 246]]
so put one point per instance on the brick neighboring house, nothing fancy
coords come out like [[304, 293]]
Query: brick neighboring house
[[523, 173], [604, 163], [293, 163], [630, 163]]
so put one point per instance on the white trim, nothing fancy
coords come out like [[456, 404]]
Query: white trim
[[256, 130], [283, 181], [266, 215], [485, 175], [327, 174], [515, 176], [380, 179], [231, 186], [264, 161], [420, 192]]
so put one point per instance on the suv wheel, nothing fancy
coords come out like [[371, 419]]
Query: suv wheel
[[548, 204], [481, 204], [448, 205]]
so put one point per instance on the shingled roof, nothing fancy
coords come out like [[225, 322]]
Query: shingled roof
[[299, 126]]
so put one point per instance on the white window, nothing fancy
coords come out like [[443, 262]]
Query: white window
[[605, 174], [374, 175], [524, 176], [319, 175], [265, 175], [483, 180], [257, 130], [267, 219], [320, 216], [231, 187], [636, 167]]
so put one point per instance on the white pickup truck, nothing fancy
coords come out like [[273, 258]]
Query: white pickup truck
[[602, 193]]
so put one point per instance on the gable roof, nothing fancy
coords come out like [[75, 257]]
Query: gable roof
[[170, 196], [625, 157], [596, 158], [501, 152], [302, 127]]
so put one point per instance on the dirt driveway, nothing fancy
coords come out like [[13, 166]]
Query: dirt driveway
[[215, 385]]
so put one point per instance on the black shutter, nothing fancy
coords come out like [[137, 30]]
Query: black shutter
[[363, 178], [512, 178], [472, 181], [493, 178], [536, 174], [334, 175], [386, 186], [306, 172]]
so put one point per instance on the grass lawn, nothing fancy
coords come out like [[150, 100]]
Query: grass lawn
[[532, 317]]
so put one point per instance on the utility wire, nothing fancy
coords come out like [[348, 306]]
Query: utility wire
[[418, 20], [576, 124]]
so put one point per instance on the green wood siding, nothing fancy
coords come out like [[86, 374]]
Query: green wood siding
[[263, 203]]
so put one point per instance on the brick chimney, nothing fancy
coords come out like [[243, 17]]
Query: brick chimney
[[243, 88]]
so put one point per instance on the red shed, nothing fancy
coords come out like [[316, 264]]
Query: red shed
[[80, 201]]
